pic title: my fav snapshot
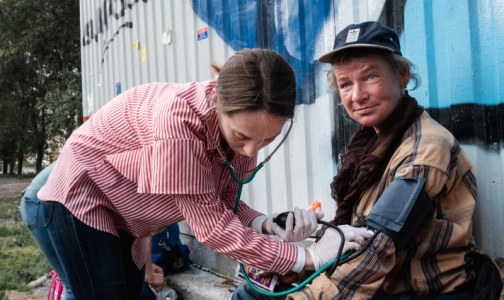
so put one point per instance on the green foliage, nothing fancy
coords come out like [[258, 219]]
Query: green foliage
[[40, 78], [18, 176], [20, 259], [63, 104], [9, 208]]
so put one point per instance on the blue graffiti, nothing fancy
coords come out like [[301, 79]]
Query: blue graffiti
[[287, 27], [456, 46], [234, 21]]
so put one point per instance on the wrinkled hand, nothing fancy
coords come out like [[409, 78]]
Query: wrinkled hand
[[156, 279], [327, 248], [306, 224], [287, 279]]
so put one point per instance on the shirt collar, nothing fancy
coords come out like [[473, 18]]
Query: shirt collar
[[212, 127]]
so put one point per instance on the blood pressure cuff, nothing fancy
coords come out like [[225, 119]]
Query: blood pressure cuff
[[400, 210]]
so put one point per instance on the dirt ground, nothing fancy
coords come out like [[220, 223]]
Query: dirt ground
[[13, 187], [13, 295]]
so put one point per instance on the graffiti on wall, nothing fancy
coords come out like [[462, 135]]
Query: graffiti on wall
[[100, 24], [460, 66], [293, 29], [461, 70]]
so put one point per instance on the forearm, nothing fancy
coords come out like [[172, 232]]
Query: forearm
[[308, 266], [358, 279], [221, 231], [148, 262]]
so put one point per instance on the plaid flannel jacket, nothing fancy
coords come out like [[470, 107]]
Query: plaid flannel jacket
[[435, 261]]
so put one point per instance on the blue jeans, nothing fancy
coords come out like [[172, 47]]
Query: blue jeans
[[32, 213], [409, 296], [245, 292], [97, 264]]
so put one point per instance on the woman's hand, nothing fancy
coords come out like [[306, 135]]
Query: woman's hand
[[327, 248], [155, 278], [306, 224]]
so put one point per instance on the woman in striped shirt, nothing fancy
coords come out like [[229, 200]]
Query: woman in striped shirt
[[154, 156]]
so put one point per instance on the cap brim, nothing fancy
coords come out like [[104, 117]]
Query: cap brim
[[326, 58]]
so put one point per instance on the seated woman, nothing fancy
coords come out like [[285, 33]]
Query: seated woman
[[396, 139]]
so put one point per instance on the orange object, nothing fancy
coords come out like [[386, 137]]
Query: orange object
[[316, 204]]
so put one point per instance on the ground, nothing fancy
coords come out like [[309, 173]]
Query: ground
[[11, 187], [13, 295], [18, 252]]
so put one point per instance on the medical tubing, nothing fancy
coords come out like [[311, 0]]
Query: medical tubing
[[340, 250], [294, 289], [241, 182], [332, 264], [357, 254]]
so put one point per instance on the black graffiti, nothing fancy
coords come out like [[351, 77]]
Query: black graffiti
[[125, 25], [471, 124], [99, 24]]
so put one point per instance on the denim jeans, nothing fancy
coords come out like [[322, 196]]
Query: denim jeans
[[409, 296], [32, 213], [245, 292], [97, 264]]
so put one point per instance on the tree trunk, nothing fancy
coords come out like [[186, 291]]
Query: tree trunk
[[80, 117], [5, 166], [12, 163], [40, 157], [20, 164], [41, 145]]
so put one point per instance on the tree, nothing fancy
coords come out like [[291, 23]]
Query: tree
[[40, 73]]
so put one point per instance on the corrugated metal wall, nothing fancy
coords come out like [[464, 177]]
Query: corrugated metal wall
[[457, 46]]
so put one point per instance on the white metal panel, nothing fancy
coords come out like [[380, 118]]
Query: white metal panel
[[302, 169], [489, 213]]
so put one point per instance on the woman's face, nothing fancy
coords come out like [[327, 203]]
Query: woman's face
[[248, 132], [370, 89]]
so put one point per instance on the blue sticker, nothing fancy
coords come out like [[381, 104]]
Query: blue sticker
[[202, 33], [118, 88]]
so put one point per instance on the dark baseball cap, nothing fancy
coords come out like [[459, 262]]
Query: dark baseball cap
[[367, 34]]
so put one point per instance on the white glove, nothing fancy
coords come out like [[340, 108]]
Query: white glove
[[306, 225], [327, 248]]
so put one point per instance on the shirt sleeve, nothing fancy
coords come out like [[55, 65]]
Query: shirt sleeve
[[218, 228], [362, 277], [358, 279], [436, 181], [433, 162], [245, 213]]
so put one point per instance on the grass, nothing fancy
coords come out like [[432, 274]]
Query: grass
[[21, 261], [18, 176]]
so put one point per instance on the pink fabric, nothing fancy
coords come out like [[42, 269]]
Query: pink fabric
[[56, 290], [145, 161]]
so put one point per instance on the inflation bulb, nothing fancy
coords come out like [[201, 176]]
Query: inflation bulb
[[281, 219]]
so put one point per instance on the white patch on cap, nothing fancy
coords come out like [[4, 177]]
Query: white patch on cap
[[353, 35]]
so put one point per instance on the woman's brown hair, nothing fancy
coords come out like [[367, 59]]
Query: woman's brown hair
[[256, 80]]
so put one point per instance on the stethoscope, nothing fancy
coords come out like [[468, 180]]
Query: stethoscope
[[280, 220]]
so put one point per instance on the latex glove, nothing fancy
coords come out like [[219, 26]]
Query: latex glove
[[327, 248], [306, 225]]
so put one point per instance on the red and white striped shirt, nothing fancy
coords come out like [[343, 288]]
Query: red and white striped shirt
[[145, 161]]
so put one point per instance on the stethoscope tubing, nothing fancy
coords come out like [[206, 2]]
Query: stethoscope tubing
[[331, 265]]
